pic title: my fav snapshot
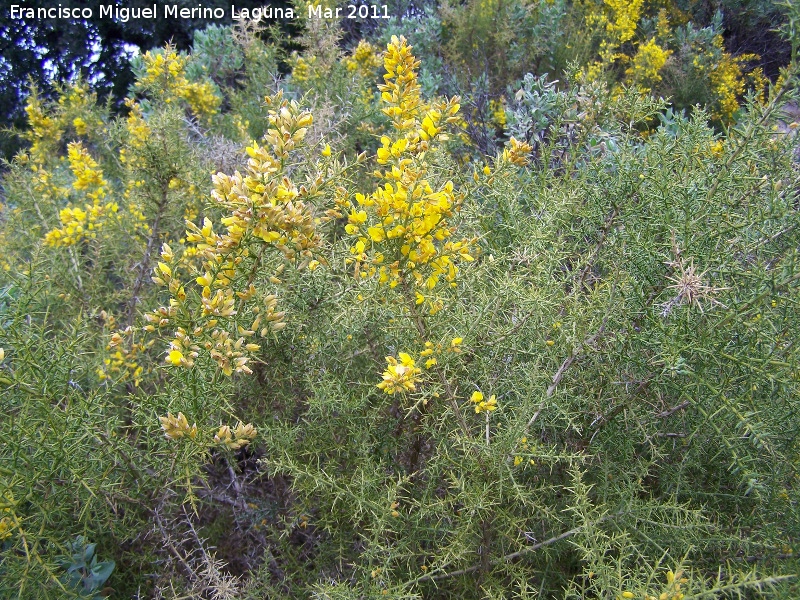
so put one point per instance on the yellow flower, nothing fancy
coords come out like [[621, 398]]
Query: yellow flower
[[241, 436], [80, 126], [482, 405], [7, 523], [175, 357], [517, 152], [649, 60], [165, 75], [400, 376], [223, 437], [403, 238], [177, 426], [245, 433]]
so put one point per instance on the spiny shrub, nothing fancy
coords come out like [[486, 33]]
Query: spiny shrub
[[331, 372]]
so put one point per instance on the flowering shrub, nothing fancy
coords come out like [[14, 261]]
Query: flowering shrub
[[163, 75], [278, 354]]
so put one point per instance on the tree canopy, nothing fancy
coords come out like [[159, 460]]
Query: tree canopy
[[52, 51]]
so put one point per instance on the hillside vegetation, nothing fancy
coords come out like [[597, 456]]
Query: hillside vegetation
[[496, 300]]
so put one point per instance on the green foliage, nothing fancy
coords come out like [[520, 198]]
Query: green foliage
[[355, 365], [83, 571], [501, 39], [53, 52]]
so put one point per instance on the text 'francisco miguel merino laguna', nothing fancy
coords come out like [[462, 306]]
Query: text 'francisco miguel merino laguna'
[[155, 11], [173, 11]]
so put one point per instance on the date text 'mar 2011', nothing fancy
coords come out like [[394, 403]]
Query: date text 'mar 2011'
[[351, 11]]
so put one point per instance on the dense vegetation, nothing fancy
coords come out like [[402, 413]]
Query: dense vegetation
[[497, 301], [53, 51]]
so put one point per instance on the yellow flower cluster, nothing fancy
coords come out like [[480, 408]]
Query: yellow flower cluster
[[165, 76], [265, 204], [626, 17], [78, 224], [301, 68], [364, 60], [728, 84], [44, 130], [176, 427], [482, 405], [517, 153], [88, 175], [80, 125], [619, 20], [44, 184], [402, 90], [124, 350], [672, 591], [498, 110], [726, 73], [48, 122], [241, 436], [400, 376], [222, 309], [401, 228], [428, 352], [650, 58], [40, 122], [76, 103], [136, 157], [200, 323], [403, 375], [432, 349], [138, 131], [8, 521]]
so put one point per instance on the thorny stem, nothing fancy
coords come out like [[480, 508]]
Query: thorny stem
[[137, 474], [32, 552], [419, 323], [749, 304], [171, 546], [513, 555], [598, 246], [74, 262], [195, 536], [144, 268], [144, 265], [568, 362], [453, 404], [412, 306], [577, 352]]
